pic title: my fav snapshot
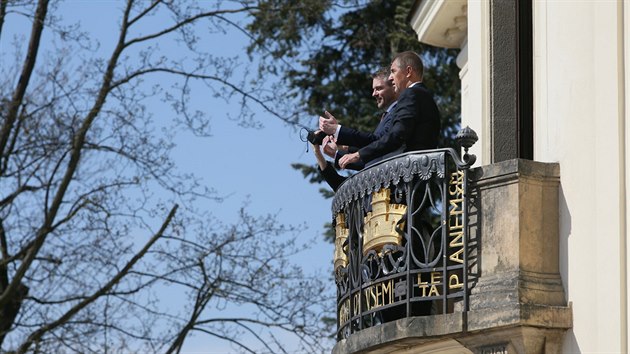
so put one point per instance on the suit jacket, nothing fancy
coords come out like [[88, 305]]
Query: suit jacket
[[357, 139], [352, 137], [415, 125], [331, 176]]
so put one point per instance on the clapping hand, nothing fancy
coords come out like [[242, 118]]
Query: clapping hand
[[330, 146], [328, 124]]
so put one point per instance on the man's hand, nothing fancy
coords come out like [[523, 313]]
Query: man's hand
[[328, 124], [329, 145], [347, 159]]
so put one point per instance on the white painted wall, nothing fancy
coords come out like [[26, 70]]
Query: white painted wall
[[579, 122], [474, 75]]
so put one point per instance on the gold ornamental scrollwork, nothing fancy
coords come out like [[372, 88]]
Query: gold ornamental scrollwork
[[341, 235], [380, 223]]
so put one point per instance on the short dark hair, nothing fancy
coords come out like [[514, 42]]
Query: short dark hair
[[410, 58], [382, 74]]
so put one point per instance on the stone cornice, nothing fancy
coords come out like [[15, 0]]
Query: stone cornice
[[442, 23]]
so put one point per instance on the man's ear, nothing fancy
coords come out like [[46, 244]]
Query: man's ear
[[408, 71]]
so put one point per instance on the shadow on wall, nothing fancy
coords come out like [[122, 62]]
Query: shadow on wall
[[570, 344], [475, 232]]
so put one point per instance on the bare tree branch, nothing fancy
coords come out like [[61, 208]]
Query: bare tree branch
[[23, 188], [185, 22], [203, 297], [75, 156], [25, 76], [86, 164], [231, 86], [35, 336], [3, 13], [146, 11], [227, 339]]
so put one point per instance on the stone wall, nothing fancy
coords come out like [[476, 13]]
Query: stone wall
[[517, 302]]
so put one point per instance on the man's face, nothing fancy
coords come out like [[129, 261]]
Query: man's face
[[398, 77], [383, 92]]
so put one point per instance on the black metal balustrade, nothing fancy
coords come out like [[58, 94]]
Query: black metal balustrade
[[401, 244]]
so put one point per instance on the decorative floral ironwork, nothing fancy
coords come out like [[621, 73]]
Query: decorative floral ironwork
[[389, 172], [424, 259]]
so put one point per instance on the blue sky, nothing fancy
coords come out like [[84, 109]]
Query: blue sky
[[243, 164], [254, 165]]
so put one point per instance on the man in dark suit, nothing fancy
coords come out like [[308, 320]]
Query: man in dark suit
[[415, 126], [415, 121], [385, 95]]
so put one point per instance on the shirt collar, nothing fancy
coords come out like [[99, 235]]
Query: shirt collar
[[391, 106]]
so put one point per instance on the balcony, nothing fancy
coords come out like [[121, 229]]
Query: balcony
[[433, 256]]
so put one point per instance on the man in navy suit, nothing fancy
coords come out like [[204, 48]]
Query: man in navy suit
[[385, 95], [415, 125], [415, 121]]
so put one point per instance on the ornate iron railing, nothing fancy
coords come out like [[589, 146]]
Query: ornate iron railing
[[401, 244]]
